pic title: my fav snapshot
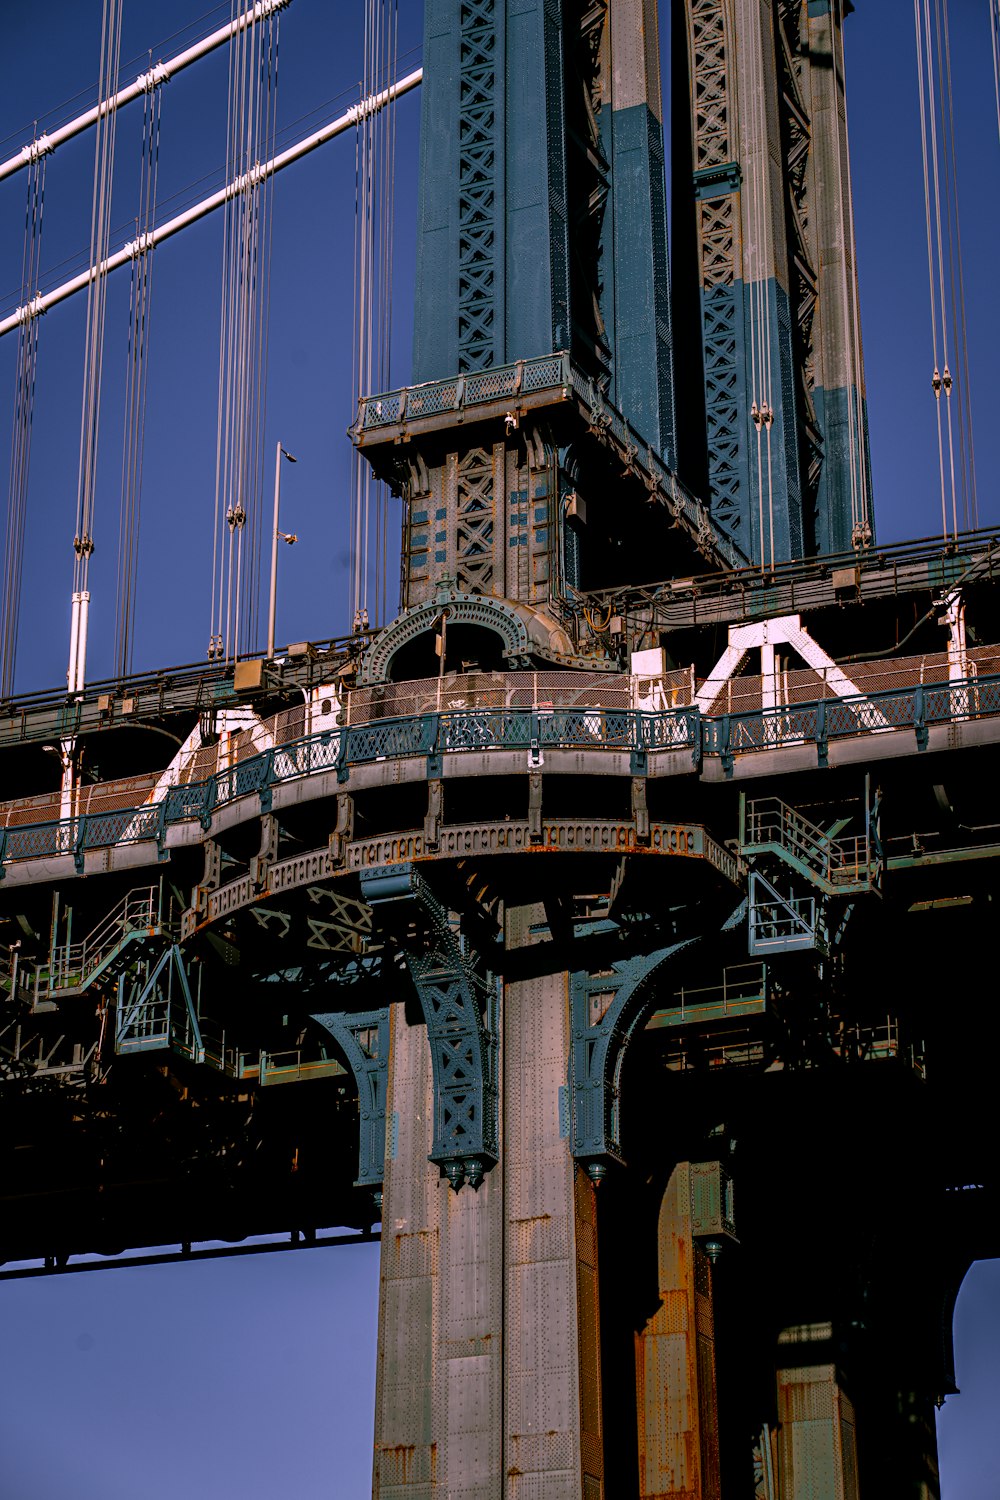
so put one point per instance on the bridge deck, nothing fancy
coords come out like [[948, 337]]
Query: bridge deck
[[518, 724]]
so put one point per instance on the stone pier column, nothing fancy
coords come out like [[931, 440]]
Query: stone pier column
[[817, 1451], [552, 1427], [439, 1363], [675, 1363], [488, 1383]]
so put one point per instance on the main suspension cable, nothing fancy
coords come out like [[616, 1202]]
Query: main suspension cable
[[349, 120], [110, 102]]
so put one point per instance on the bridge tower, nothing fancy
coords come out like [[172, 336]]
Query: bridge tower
[[772, 403], [537, 456], [590, 923]]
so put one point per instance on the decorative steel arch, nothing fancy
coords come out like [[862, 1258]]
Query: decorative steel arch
[[598, 1049], [461, 609]]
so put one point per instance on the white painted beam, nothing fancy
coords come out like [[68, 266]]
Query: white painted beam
[[145, 242], [47, 142]]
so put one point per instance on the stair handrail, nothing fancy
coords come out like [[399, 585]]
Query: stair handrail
[[829, 857], [136, 910]]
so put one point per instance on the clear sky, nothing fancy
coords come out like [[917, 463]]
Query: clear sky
[[253, 1377]]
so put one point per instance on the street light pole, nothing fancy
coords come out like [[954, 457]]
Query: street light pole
[[272, 608]]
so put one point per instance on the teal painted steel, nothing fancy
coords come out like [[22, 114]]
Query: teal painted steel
[[364, 1040], [459, 1004], [536, 294], [557, 376], [476, 729], [159, 1012], [541, 215], [837, 410], [772, 248], [779, 923], [753, 473], [606, 1011], [435, 334], [637, 304]]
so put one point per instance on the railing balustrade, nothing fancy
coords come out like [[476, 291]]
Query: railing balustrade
[[540, 724]]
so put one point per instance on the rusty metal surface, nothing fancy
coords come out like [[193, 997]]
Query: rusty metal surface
[[565, 835], [675, 1363], [406, 1442], [556, 835], [489, 1376], [817, 1450], [543, 691]]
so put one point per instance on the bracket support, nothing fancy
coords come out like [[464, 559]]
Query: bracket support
[[459, 1006], [606, 1010], [364, 1040]]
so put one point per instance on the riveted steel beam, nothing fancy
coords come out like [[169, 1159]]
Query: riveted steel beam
[[458, 1000], [364, 1040], [606, 1010]]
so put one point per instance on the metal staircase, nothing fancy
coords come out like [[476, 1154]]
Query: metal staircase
[[782, 918], [835, 864], [779, 923], [156, 1010], [135, 923]]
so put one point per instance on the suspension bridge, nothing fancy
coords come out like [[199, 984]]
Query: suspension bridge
[[581, 902]]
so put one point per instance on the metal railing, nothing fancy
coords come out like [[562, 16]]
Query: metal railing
[[743, 991], [532, 729], [555, 372], [839, 861], [459, 392], [71, 965]]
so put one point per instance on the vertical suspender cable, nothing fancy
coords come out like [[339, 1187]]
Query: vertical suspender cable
[[245, 208], [861, 530], [957, 278], [946, 376], [104, 155], [750, 27], [135, 388], [20, 447], [269, 138], [372, 133], [362, 326], [371, 360], [944, 263], [923, 92], [370, 138], [388, 263], [763, 157], [360, 313], [222, 548], [243, 337], [384, 187]]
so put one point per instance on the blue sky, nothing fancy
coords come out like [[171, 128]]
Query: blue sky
[[254, 1376]]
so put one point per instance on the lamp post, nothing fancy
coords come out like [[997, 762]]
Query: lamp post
[[289, 537]]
